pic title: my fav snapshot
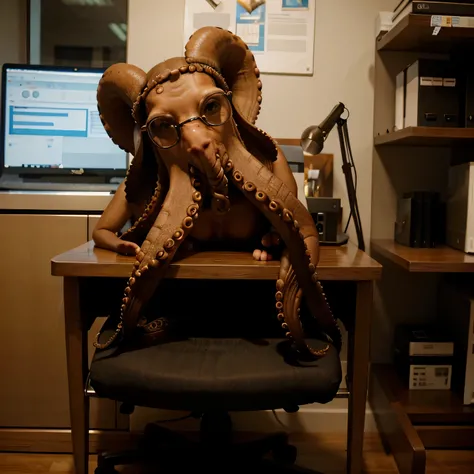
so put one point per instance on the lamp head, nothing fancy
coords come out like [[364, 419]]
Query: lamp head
[[312, 140]]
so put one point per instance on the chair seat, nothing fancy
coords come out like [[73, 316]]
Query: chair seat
[[231, 374]]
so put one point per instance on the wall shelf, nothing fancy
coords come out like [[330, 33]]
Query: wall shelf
[[424, 406], [415, 33], [427, 136], [441, 259], [412, 421]]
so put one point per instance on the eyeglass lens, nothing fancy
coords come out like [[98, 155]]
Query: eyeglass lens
[[214, 111]]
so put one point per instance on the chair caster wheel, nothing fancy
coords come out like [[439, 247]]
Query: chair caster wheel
[[105, 470], [285, 454]]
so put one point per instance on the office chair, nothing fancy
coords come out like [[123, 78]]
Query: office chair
[[231, 356]]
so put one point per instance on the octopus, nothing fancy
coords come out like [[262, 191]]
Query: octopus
[[203, 172]]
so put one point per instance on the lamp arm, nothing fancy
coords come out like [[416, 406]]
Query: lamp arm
[[312, 141], [345, 144], [332, 119]]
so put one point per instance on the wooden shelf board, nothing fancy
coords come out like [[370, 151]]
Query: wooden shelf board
[[441, 259], [423, 406], [427, 136], [414, 33]]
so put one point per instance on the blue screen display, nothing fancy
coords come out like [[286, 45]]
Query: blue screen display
[[51, 121]]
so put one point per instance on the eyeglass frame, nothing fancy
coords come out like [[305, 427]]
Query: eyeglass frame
[[177, 127]]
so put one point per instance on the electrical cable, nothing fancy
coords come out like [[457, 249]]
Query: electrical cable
[[347, 145]]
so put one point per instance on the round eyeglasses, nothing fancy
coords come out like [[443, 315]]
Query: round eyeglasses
[[215, 110]]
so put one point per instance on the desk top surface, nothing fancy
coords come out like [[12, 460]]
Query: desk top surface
[[336, 263]]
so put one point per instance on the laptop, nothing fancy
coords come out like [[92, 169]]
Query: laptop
[[52, 137]]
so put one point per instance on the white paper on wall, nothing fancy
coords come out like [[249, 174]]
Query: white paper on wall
[[280, 33]]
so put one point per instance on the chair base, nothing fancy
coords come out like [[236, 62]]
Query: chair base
[[171, 452]]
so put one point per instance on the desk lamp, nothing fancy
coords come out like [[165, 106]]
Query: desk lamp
[[312, 141]]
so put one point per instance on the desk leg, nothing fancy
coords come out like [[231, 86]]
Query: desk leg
[[359, 351], [77, 366]]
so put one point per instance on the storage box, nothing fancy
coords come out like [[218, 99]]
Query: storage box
[[383, 23]]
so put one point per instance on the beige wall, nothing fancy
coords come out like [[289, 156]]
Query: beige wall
[[13, 31], [343, 72]]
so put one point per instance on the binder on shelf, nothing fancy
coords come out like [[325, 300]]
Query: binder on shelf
[[432, 94], [400, 88], [419, 220]]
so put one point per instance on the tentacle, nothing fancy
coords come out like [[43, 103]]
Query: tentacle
[[172, 225], [142, 225], [140, 228], [118, 88], [219, 183], [288, 300], [227, 54], [227, 58], [296, 227]]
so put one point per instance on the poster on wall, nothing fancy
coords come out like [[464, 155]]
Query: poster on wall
[[280, 33]]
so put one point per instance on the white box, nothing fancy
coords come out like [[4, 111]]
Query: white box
[[383, 23], [430, 377]]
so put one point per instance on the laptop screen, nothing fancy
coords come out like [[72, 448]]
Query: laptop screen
[[51, 121]]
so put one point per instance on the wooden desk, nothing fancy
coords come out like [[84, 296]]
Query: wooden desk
[[336, 263]]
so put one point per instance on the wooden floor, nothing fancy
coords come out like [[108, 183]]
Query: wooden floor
[[325, 454]]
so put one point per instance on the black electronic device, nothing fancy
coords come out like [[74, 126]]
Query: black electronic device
[[420, 219], [326, 214], [423, 356]]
